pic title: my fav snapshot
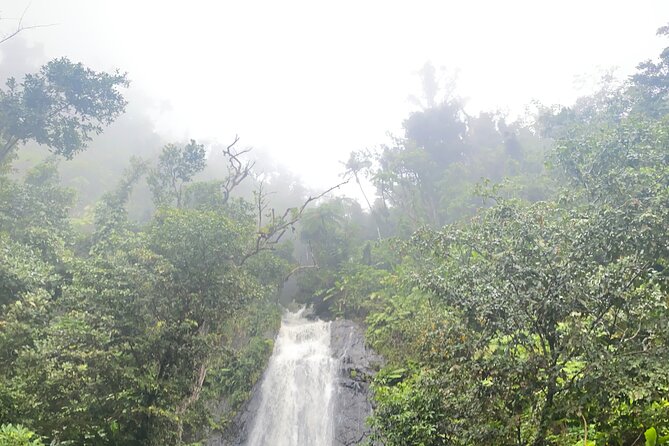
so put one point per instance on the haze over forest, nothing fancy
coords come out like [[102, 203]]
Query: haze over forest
[[356, 223], [307, 83]]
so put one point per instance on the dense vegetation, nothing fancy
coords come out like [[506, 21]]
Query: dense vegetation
[[128, 333], [538, 314], [513, 274]]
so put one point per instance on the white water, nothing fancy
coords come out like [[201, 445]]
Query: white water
[[296, 405]]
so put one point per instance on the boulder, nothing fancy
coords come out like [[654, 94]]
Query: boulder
[[357, 366]]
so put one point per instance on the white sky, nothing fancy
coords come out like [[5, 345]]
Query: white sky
[[309, 81]]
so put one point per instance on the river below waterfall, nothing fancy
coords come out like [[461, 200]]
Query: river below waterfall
[[298, 390]]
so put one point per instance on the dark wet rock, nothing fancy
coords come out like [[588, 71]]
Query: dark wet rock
[[357, 365], [352, 406]]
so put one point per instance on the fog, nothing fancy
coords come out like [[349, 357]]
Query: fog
[[309, 223], [307, 83]]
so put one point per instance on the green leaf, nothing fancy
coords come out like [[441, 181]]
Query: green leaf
[[651, 437]]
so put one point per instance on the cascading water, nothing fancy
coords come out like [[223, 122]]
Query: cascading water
[[297, 393]]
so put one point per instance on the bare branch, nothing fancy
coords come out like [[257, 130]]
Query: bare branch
[[20, 27], [237, 169], [23, 28], [300, 268], [230, 146], [270, 235]]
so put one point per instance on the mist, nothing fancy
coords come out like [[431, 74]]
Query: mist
[[299, 223]]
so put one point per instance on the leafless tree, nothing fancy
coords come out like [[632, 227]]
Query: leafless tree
[[272, 226], [238, 170]]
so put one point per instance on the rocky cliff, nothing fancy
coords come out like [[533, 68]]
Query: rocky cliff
[[357, 366]]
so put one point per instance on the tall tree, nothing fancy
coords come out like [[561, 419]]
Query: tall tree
[[61, 107]]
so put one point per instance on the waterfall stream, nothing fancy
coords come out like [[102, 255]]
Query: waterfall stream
[[297, 393]]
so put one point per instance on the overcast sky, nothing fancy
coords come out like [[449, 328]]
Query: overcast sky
[[309, 81]]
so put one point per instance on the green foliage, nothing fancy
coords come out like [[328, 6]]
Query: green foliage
[[355, 290], [651, 82], [60, 107], [247, 354], [429, 177], [652, 439], [537, 316], [110, 217], [176, 167], [332, 233], [409, 411], [552, 313], [17, 435], [115, 343], [398, 321]]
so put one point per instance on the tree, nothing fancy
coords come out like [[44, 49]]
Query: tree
[[61, 106], [176, 167], [652, 81], [553, 313], [430, 176]]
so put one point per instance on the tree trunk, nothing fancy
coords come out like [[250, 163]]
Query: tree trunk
[[545, 418]]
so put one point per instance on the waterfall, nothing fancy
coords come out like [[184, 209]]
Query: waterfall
[[297, 393]]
